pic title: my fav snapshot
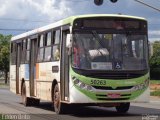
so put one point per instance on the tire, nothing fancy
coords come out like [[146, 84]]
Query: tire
[[59, 107], [123, 107]]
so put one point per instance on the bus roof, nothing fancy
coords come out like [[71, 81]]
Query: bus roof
[[69, 20]]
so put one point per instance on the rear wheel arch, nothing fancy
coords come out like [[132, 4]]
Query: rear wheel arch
[[53, 85]]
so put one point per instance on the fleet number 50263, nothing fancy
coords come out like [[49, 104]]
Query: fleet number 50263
[[98, 82]]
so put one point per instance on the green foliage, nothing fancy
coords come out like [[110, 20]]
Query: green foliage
[[155, 61], [4, 53], [1, 117], [154, 81], [4, 58], [155, 93]]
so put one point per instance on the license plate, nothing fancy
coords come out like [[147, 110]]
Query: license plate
[[114, 95]]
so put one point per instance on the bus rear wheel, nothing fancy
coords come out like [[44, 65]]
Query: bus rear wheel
[[59, 107], [123, 107], [28, 101]]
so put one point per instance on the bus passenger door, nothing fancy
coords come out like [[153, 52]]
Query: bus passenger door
[[18, 62], [64, 74], [32, 64]]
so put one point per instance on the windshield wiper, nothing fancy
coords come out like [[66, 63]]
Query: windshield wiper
[[100, 41], [94, 33]]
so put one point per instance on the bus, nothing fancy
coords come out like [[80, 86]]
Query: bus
[[93, 59]]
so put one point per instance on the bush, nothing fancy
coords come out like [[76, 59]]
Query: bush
[[155, 61], [155, 73], [155, 93]]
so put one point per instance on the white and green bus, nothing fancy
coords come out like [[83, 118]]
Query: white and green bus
[[97, 59]]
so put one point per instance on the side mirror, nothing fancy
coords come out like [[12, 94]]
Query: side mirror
[[69, 44]]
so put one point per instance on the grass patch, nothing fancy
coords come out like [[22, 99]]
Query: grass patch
[[3, 85], [155, 93], [154, 81], [1, 118]]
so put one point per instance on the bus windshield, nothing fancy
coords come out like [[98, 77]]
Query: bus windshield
[[96, 51]]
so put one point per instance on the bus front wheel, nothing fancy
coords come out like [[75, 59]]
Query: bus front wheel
[[58, 106], [123, 107]]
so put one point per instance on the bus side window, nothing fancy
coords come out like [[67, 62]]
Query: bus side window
[[23, 51], [57, 37], [40, 48], [13, 53], [47, 55], [27, 51], [11, 47], [55, 49]]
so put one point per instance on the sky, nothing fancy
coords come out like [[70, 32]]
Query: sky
[[18, 16]]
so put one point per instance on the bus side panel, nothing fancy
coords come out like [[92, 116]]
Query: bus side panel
[[13, 78], [40, 81], [49, 89], [27, 88], [21, 72], [25, 75], [54, 76], [44, 78]]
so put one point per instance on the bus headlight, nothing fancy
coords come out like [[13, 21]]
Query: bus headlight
[[141, 86], [89, 87], [75, 80], [81, 85]]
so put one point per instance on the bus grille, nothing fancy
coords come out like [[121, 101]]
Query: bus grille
[[116, 76], [105, 97], [110, 88], [112, 99]]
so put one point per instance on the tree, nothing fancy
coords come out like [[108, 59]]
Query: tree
[[4, 54], [155, 60]]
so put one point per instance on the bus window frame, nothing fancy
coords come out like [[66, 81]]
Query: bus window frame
[[27, 50], [53, 33], [23, 47], [40, 47], [45, 45], [13, 52], [56, 44]]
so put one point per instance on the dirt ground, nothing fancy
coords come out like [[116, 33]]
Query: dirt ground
[[155, 86]]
